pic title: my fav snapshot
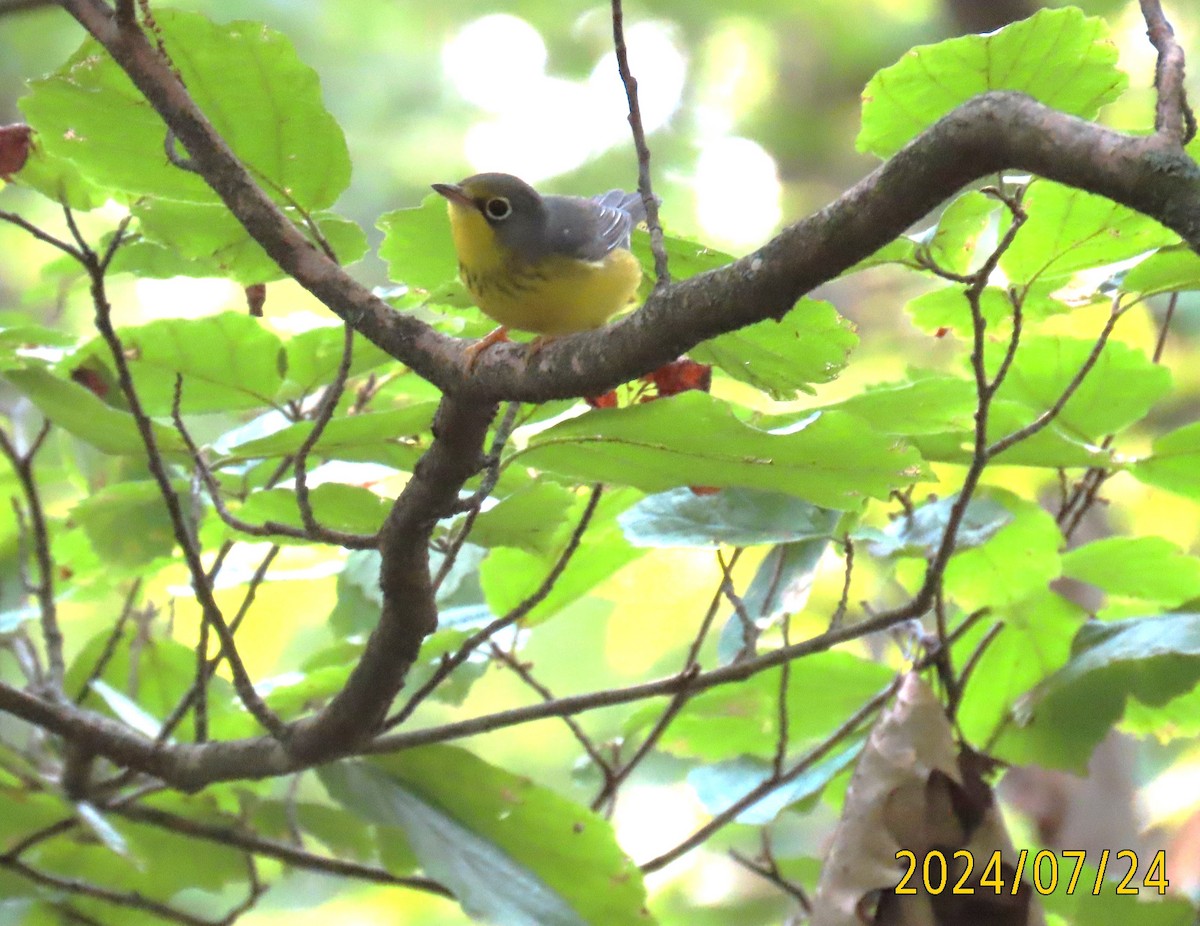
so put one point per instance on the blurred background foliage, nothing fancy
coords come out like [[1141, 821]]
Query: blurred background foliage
[[751, 111]]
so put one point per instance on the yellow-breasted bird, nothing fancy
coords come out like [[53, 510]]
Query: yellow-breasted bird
[[552, 265]]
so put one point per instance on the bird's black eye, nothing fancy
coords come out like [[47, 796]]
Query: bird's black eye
[[498, 208]]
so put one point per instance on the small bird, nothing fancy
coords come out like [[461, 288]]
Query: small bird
[[553, 265]]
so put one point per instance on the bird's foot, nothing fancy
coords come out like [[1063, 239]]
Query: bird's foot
[[496, 336]]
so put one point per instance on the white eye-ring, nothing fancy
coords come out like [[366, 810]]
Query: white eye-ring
[[498, 208]]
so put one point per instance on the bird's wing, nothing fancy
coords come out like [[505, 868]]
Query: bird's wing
[[590, 229], [626, 202]]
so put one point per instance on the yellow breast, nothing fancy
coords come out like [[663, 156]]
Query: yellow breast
[[559, 295]]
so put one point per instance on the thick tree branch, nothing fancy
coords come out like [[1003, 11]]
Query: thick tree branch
[[1172, 116], [409, 613]]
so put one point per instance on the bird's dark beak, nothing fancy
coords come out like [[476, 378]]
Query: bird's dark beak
[[455, 193]]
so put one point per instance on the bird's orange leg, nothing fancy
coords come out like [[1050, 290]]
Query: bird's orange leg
[[473, 351]]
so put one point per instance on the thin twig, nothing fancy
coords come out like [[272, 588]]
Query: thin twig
[[328, 403], [781, 707], [1161, 343], [112, 642], [682, 695], [770, 873], [43, 589], [119, 237], [839, 613], [200, 687], [41, 235], [729, 590], [451, 662], [661, 271], [610, 697]]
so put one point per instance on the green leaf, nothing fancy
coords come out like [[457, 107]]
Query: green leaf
[[247, 79], [686, 257], [152, 674], [292, 694], [948, 307], [1174, 463], [780, 586], [1034, 641], [828, 458], [348, 508], [720, 785], [739, 517], [926, 405], [213, 243], [417, 245], [1150, 568], [533, 519], [1030, 56], [80, 412], [148, 260], [742, 718], [1153, 659], [811, 344], [920, 534], [513, 853], [1120, 389], [228, 361], [1050, 447], [509, 576], [1171, 269], [393, 437], [960, 230], [337, 829], [313, 357], [1018, 560], [1069, 230], [127, 523], [58, 179], [27, 811]]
